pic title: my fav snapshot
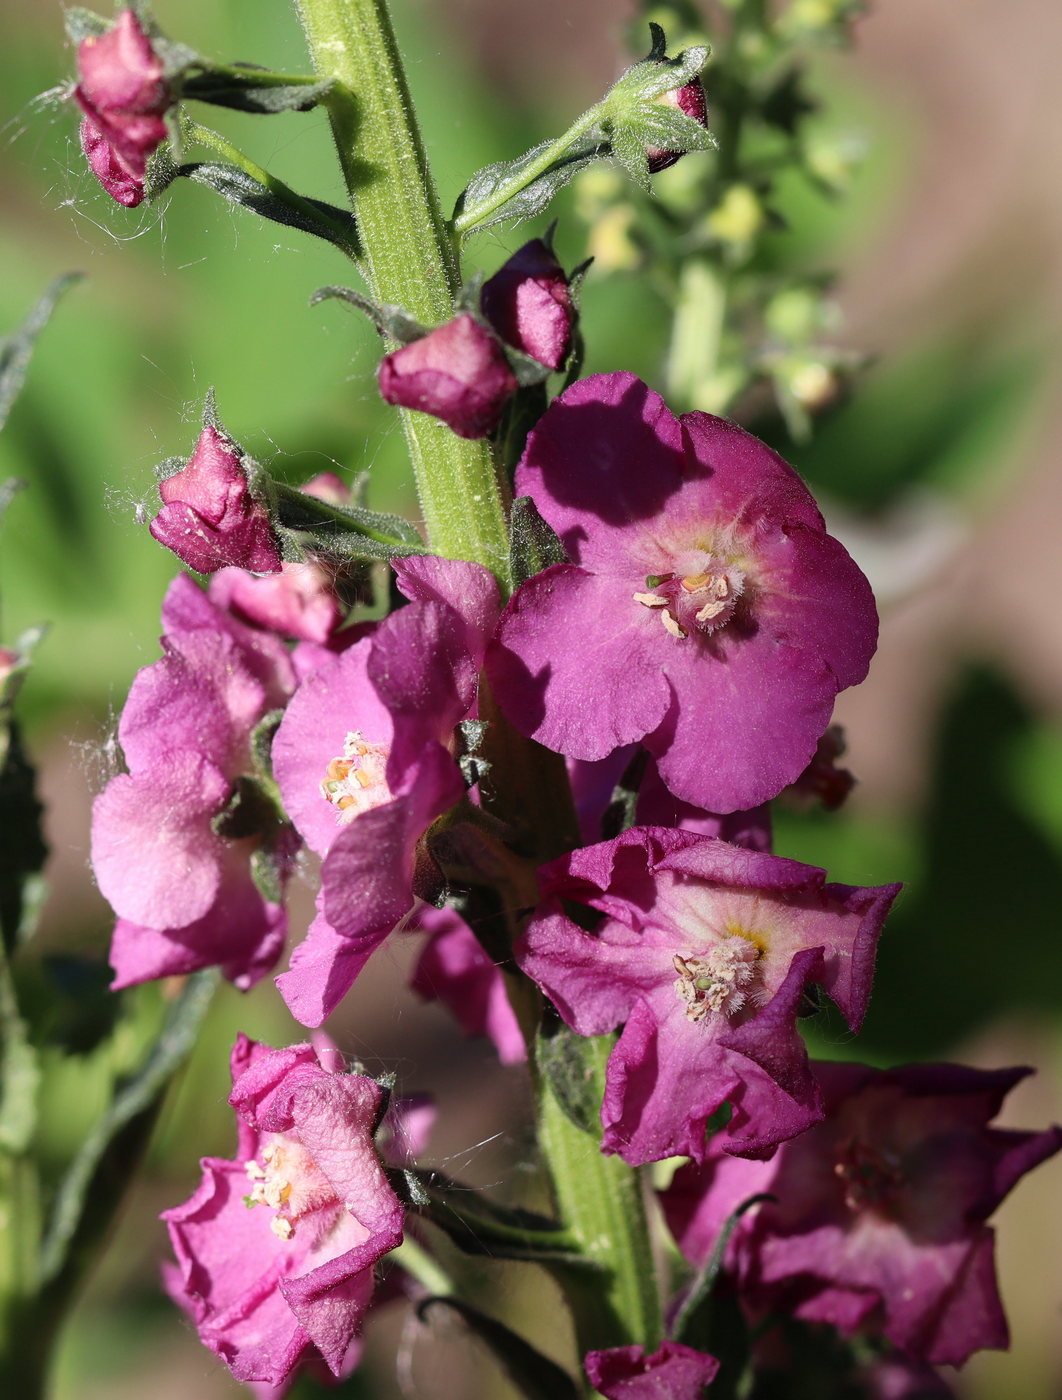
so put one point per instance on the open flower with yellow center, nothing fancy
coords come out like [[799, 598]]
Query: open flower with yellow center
[[705, 611], [703, 954]]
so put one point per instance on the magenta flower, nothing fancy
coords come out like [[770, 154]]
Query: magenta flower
[[689, 100], [706, 611], [881, 1208], [672, 1372], [124, 96], [529, 303], [209, 517], [457, 372], [704, 955], [362, 763], [171, 853], [276, 1249], [455, 969]]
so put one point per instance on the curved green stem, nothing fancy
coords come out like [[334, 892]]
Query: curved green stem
[[551, 155]]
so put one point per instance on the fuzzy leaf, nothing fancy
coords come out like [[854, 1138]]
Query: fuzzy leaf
[[533, 545], [561, 1056], [253, 91], [535, 196], [351, 531], [325, 221], [84, 24]]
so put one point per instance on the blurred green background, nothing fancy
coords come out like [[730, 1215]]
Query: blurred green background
[[940, 473]]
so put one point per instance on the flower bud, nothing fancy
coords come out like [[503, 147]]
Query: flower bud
[[457, 372], [690, 100], [124, 95], [529, 303], [209, 517]]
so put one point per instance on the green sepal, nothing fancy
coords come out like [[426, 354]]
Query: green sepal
[[350, 531], [628, 149], [700, 1288], [82, 24], [534, 1375], [15, 350], [262, 742], [335, 225], [534, 545], [561, 1058], [535, 196], [250, 811], [247, 88], [391, 321]]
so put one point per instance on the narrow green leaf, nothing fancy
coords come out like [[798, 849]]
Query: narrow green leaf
[[252, 90], [100, 1156], [536, 195], [15, 350], [314, 216], [352, 531], [390, 321], [560, 1055]]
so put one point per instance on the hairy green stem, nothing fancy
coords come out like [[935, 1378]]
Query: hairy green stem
[[408, 257], [600, 1199]]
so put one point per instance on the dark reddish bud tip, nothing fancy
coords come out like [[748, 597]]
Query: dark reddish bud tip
[[529, 303], [209, 517], [691, 100], [457, 372]]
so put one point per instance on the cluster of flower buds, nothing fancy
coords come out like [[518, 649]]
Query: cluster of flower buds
[[463, 372]]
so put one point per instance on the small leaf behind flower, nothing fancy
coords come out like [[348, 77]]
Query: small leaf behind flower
[[534, 545], [534, 1375]]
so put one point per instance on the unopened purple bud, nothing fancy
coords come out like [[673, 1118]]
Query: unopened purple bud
[[120, 71], [209, 517], [689, 99], [457, 372], [529, 303], [108, 169], [124, 96]]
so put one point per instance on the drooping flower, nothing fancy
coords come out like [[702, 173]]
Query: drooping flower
[[209, 516], [362, 762], [454, 969], [691, 101], [705, 612], [175, 838], [703, 955], [457, 372], [529, 303], [276, 1249], [672, 1372], [880, 1215], [124, 95]]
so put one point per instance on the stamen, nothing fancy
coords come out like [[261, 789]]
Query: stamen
[[716, 980], [356, 782], [673, 626]]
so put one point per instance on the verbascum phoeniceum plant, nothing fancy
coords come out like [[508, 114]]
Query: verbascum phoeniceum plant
[[541, 728]]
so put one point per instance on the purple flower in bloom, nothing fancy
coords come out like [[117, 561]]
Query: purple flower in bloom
[[276, 1249], [881, 1208], [457, 372], [706, 612], [689, 100], [209, 518], [705, 952], [455, 969], [170, 854], [529, 303], [124, 96], [672, 1372], [362, 763]]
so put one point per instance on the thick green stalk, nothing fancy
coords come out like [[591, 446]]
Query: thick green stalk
[[408, 257], [600, 1200]]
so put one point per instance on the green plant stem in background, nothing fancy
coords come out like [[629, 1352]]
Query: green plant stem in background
[[408, 258]]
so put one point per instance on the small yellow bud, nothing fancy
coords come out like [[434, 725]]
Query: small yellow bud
[[737, 218]]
